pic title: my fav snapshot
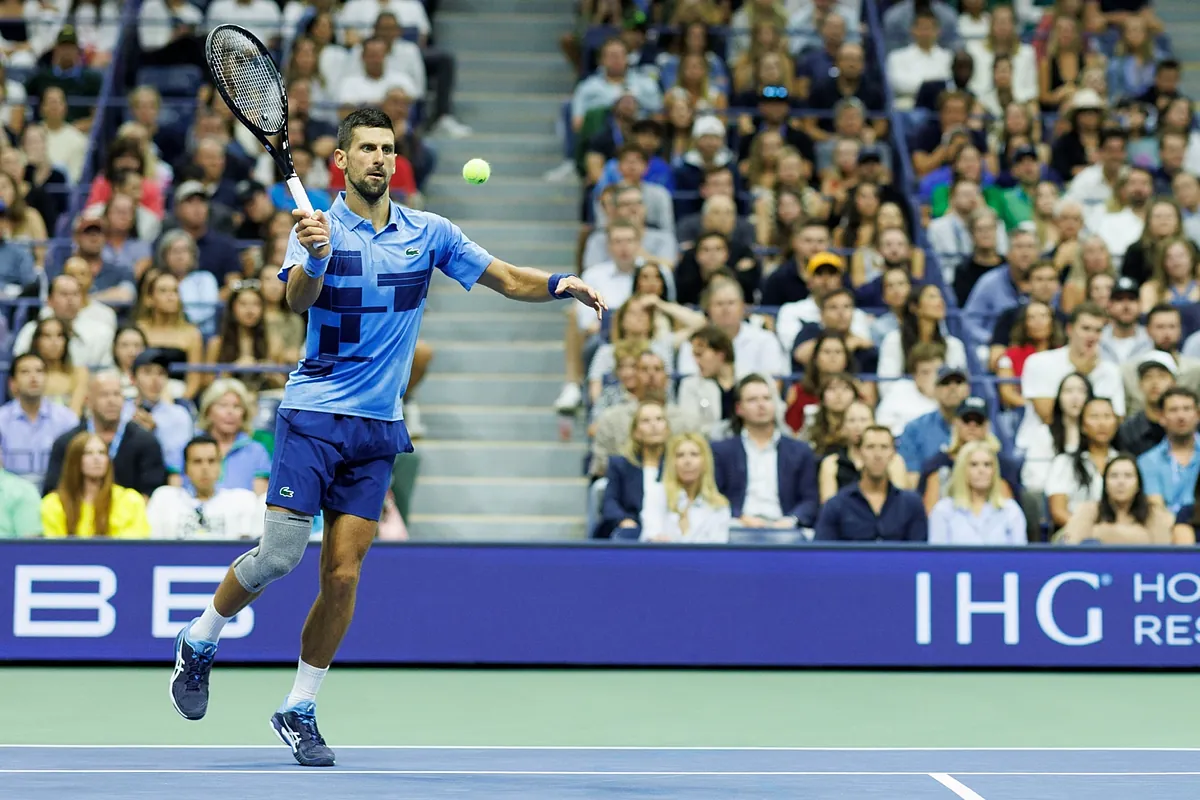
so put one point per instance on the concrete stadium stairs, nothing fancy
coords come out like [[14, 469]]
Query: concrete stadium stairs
[[492, 465]]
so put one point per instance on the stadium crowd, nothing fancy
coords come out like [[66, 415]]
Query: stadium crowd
[[914, 272], [145, 358]]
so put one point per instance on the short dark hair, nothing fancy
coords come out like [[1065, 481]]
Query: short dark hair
[[1088, 309], [1162, 308], [1168, 63], [1113, 133], [365, 117], [1178, 391], [715, 339], [713, 235], [29, 356], [199, 439], [750, 379], [1043, 264], [838, 292], [879, 429], [629, 148], [712, 171]]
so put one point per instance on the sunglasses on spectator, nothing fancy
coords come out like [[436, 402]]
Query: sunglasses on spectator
[[253, 283], [775, 92]]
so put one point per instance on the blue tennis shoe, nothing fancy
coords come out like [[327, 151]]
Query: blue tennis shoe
[[189, 681], [297, 728]]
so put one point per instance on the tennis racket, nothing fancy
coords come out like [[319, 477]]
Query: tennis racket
[[251, 85]]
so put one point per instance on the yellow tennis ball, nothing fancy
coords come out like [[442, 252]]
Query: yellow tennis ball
[[477, 171]]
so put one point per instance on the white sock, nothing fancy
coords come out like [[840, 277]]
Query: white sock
[[308, 683], [208, 627]]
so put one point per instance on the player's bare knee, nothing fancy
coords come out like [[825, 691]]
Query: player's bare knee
[[341, 579]]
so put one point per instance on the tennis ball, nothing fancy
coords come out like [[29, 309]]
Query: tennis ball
[[477, 171]]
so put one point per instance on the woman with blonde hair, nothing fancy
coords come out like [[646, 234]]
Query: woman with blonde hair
[[766, 38], [1173, 279], [970, 425], [227, 411], [1094, 258], [634, 470], [694, 78], [160, 316], [86, 503], [686, 507], [975, 510]]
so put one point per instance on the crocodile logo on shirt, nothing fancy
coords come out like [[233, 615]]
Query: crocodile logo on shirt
[[412, 252], [286, 492]]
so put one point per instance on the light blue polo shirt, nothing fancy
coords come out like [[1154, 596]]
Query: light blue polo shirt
[[1174, 483], [362, 330]]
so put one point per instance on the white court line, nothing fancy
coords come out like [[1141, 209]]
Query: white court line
[[961, 789], [618, 748], [586, 773]]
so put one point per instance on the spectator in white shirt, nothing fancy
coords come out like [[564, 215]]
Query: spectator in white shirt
[[439, 64], [369, 81], [1078, 477], [921, 61], [686, 507], [403, 57], [199, 510], [91, 340], [1093, 186], [824, 273], [912, 398], [66, 145], [162, 22], [260, 17], [1124, 226], [756, 351]]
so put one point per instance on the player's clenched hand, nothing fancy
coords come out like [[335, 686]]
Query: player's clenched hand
[[584, 294], [313, 232]]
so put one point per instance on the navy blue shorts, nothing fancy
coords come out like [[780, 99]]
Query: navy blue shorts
[[335, 462]]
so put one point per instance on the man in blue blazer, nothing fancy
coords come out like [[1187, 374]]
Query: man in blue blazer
[[769, 479]]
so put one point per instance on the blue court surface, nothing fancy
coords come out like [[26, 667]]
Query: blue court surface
[[184, 772]]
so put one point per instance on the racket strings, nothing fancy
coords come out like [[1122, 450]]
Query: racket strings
[[250, 79]]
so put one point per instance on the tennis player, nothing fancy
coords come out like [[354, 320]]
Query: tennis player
[[362, 272]]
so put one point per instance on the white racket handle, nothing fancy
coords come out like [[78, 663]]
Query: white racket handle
[[301, 197]]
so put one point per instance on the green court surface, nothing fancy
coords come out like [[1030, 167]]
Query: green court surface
[[464, 707]]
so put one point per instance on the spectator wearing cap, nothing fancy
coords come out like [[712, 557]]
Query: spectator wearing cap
[[708, 153], [253, 210], [873, 508], [170, 423], [1142, 431], [1170, 468], [17, 270], [202, 509], [1124, 339], [218, 253], [1000, 288], [66, 145], [137, 458], [1041, 286], [91, 339], [1093, 185], [66, 71], [788, 283], [928, 434], [971, 424], [612, 79], [30, 422], [1164, 325], [1015, 205], [774, 108], [656, 245], [1069, 153], [770, 479], [851, 80], [825, 273], [112, 282], [920, 61]]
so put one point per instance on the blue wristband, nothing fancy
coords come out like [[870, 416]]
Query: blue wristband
[[315, 267], [552, 286]]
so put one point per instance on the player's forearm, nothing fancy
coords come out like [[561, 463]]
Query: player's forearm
[[519, 283], [302, 289]]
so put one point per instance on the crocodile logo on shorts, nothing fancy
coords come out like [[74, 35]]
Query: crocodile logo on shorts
[[412, 252], [286, 492]]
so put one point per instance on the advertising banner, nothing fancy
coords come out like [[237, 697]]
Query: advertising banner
[[599, 604]]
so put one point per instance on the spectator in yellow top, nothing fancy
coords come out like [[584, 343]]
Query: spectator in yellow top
[[87, 503]]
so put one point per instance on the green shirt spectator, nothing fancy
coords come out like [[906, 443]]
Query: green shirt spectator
[[20, 507], [1016, 205]]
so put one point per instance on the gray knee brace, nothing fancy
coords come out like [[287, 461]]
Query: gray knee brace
[[285, 536]]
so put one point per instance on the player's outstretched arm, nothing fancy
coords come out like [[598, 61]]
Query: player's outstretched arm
[[534, 286], [305, 280]]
